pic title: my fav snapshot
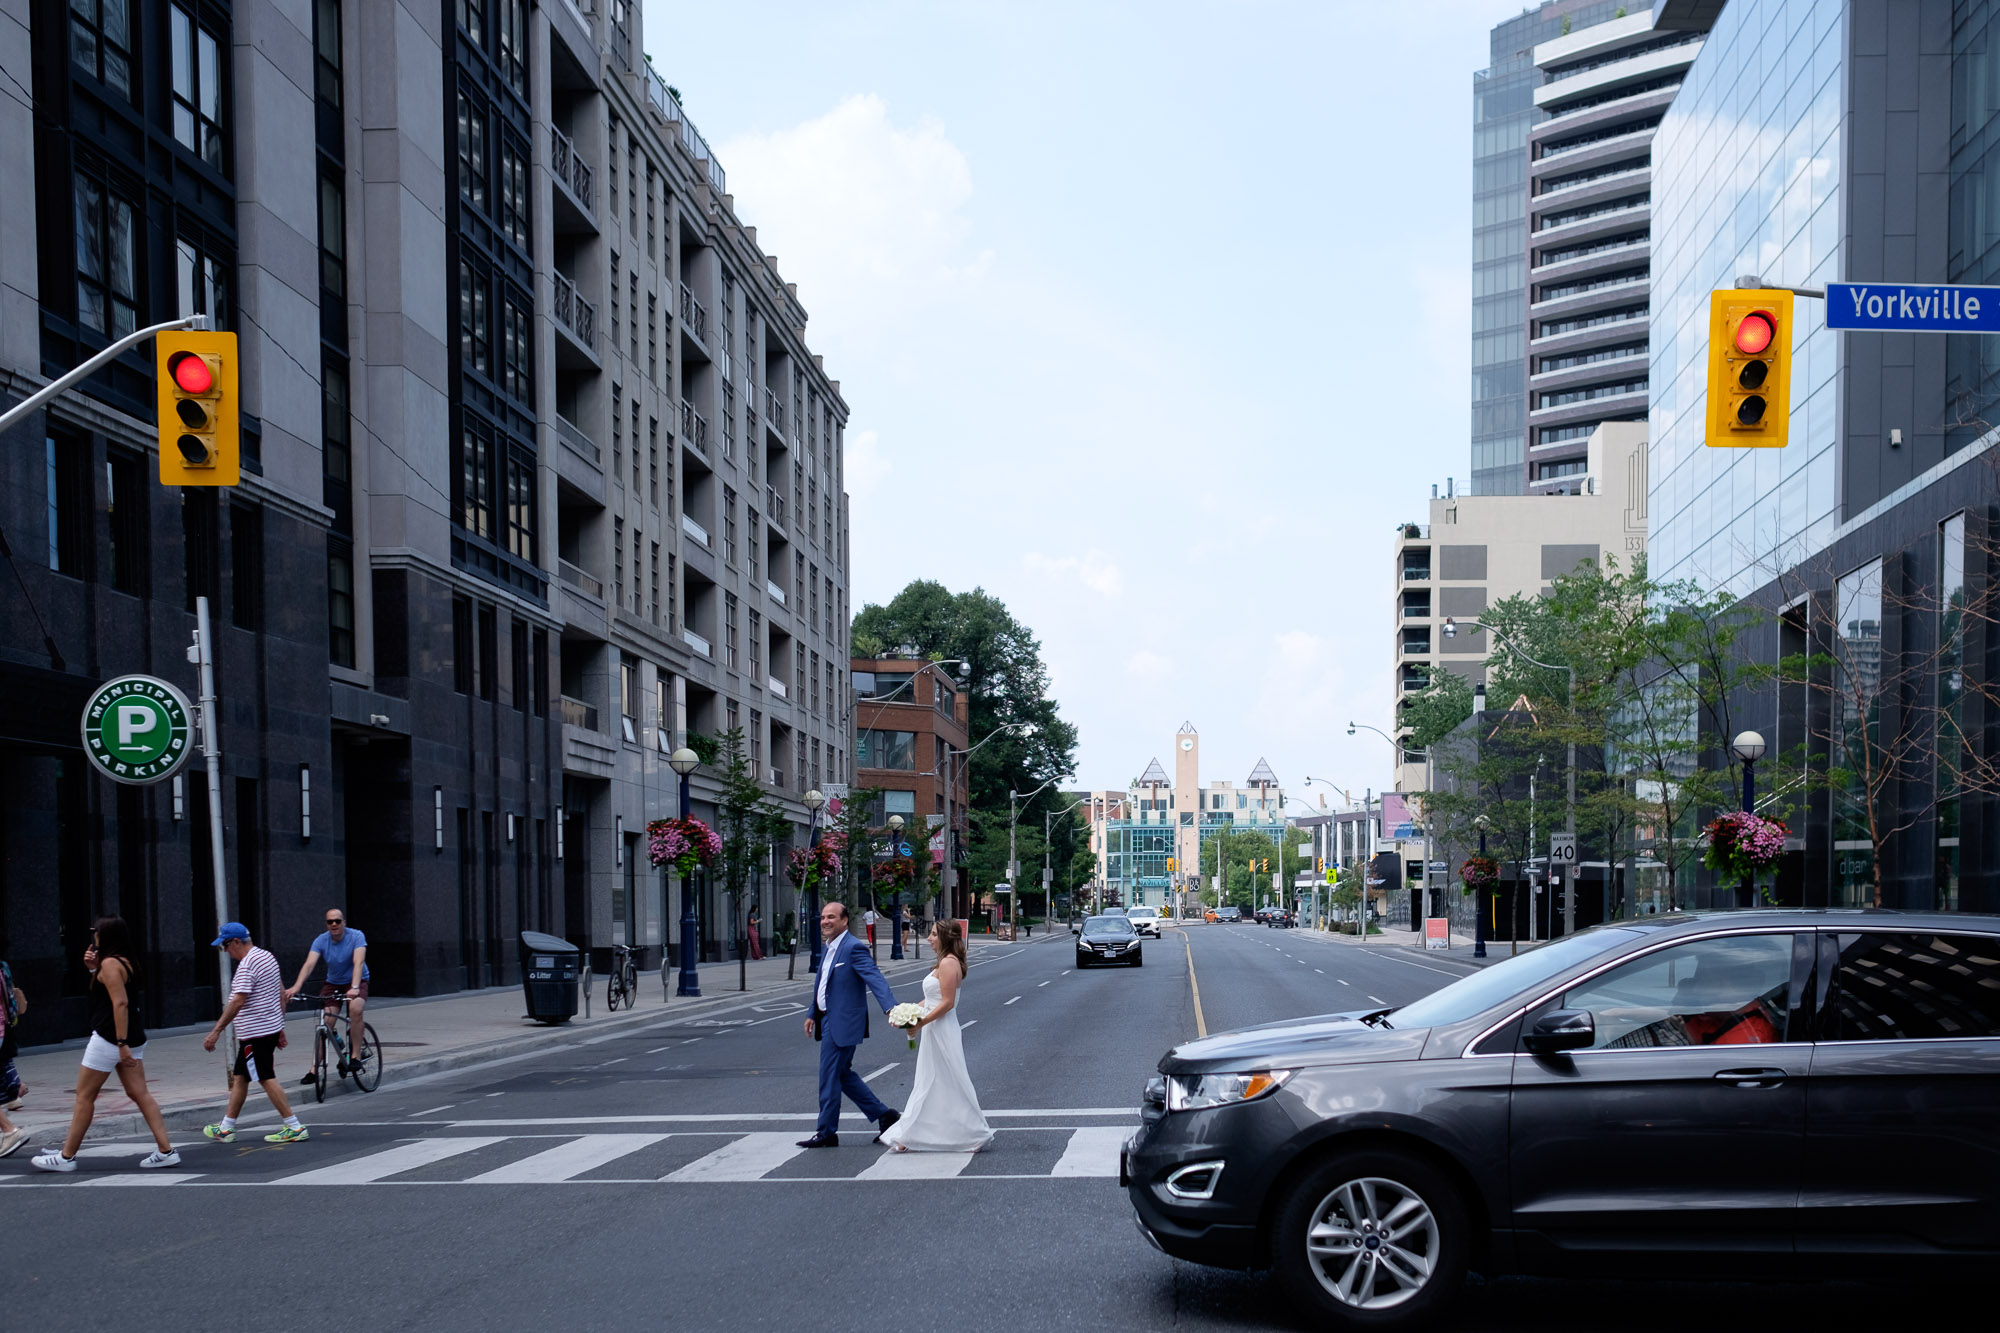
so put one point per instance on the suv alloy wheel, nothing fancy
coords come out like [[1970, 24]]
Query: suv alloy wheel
[[1372, 1240]]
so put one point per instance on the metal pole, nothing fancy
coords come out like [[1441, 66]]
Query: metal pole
[[199, 323], [690, 979], [211, 749], [1749, 808], [1479, 908], [1574, 871], [812, 900]]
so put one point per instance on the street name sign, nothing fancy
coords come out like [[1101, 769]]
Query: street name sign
[[1897, 307], [136, 729]]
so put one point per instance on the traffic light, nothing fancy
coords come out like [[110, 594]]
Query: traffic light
[[198, 409], [1749, 368], [1171, 865]]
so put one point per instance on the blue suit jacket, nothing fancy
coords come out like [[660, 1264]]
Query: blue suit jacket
[[852, 977]]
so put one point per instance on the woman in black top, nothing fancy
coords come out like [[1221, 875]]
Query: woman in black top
[[117, 1041]]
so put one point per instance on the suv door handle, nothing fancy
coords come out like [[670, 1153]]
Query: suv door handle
[[1752, 1078]]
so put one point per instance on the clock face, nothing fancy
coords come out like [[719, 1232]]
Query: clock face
[[1187, 742]]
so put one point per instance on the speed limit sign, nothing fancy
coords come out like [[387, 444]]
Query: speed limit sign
[[1562, 851]]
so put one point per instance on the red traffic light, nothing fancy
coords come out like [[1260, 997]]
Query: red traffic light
[[191, 373], [1755, 333]]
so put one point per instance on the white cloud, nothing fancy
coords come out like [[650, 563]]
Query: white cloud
[[1093, 569], [1147, 664]]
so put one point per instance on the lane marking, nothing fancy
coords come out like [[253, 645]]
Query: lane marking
[[917, 1166], [746, 1158], [1042, 983], [1092, 1152], [619, 1061], [1200, 1023], [388, 1162], [1320, 970], [870, 1078], [150, 1178], [1345, 982], [657, 1049], [1063, 973], [496, 1094], [418, 1115], [963, 1026], [1015, 1000], [566, 1160], [1378, 999]]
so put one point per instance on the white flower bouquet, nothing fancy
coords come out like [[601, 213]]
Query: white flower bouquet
[[907, 1016]]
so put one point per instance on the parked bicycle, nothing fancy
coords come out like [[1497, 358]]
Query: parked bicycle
[[623, 986], [338, 1054]]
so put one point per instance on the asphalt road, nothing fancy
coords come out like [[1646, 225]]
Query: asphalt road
[[649, 1179]]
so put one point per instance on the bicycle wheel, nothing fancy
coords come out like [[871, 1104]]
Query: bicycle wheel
[[614, 989], [367, 1069], [320, 1044], [631, 985]]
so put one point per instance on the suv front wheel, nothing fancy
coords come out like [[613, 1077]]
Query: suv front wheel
[[1372, 1240]]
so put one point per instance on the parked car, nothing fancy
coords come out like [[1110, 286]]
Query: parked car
[[1145, 921], [1633, 1096], [1108, 939]]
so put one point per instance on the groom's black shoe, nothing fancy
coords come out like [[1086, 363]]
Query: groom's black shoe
[[882, 1125], [821, 1141]]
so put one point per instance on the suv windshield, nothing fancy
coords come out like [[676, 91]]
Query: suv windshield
[[1502, 981]]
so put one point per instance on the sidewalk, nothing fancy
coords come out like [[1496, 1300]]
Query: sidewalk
[[1411, 943], [418, 1036]]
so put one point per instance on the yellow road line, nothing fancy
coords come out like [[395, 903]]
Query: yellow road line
[[1200, 1023]]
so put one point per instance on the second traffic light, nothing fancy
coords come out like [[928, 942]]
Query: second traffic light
[[1749, 368], [199, 432]]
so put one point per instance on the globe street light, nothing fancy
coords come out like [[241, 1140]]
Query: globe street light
[[815, 801], [684, 762], [1482, 823], [896, 899]]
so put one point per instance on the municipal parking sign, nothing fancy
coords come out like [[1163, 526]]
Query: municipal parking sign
[[136, 729]]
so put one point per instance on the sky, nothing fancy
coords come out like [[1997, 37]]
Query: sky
[[1153, 321]]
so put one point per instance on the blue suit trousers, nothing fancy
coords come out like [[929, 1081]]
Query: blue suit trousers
[[837, 1076]]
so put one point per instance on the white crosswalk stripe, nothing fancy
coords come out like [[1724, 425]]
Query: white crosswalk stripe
[[747, 1158], [1092, 1152], [402, 1157], [567, 1160], [917, 1166]]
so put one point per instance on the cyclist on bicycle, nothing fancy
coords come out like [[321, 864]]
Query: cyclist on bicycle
[[346, 953]]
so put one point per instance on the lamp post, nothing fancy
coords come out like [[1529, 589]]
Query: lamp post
[[1569, 818], [684, 762], [1482, 823], [1748, 747], [1048, 879], [815, 802], [896, 898], [1014, 799], [1401, 758]]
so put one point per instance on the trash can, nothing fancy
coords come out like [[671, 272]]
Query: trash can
[[550, 969]]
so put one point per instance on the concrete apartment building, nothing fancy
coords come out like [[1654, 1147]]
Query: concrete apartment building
[[910, 740], [1480, 549], [541, 479], [1590, 171]]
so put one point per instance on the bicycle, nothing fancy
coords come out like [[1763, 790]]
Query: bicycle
[[366, 1071], [623, 987]]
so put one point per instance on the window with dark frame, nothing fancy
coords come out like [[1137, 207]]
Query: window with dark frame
[[541, 670], [489, 651], [204, 277], [461, 645], [475, 330], [519, 678], [107, 251], [100, 42], [472, 159], [71, 529], [202, 561], [195, 60], [246, 566], [340, 602], [332, 236], [127, 494], [327, 52]]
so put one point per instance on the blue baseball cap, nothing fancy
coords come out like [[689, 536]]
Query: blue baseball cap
[[235, 930]]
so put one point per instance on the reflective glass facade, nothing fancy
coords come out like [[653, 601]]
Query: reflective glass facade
[[1747, 179]]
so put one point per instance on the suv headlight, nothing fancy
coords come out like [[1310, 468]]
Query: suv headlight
[[1195, 1092]]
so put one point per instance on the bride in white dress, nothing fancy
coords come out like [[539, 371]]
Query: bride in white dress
[[943, 1113]]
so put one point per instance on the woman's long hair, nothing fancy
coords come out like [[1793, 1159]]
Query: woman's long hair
[[114, 940], [951, 940]]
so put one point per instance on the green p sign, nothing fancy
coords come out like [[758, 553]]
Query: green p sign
[[136, 729]]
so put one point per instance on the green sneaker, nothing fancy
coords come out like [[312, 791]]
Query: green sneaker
[[286, 1134], [218, 1133]]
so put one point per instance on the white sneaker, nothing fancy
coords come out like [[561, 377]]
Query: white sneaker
[[10, 1142], [53, 1160], [152, 1161]]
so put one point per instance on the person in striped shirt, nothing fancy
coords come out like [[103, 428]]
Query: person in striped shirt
[[257, 1007]]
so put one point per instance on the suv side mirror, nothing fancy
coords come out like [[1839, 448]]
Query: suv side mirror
[[1561, 1030]]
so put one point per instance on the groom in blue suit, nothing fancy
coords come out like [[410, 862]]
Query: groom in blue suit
[[839, 1023]]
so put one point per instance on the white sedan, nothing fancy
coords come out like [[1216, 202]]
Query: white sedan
[[1145, 920]]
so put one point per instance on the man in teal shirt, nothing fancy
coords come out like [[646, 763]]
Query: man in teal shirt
[[346, 953]]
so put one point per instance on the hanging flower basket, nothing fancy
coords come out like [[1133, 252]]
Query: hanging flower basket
[[1479, 872], [808, 867], [898, 872], [1742, 844], [684, 844]]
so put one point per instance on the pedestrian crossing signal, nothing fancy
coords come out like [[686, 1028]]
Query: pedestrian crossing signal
[[198, 426]]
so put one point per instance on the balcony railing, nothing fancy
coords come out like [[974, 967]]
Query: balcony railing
[[1416, 573], [577, 440], [694, 314], [694, 529], [694, 427], [1417, 611], [697, 147], [776, 687], [775, 504], [574, 313], [774, 592], [581, 580], [577, 713], [696, 642], [570, 168], [774, 408]]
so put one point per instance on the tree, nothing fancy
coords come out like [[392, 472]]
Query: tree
[[1242, 885], [1007, 684], [749, 823], [1432, 712]]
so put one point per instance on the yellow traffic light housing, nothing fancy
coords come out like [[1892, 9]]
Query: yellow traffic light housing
[[199, 434], [1170, 865], [1749, 368]]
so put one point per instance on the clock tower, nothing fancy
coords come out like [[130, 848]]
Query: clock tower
[[1187, 799]]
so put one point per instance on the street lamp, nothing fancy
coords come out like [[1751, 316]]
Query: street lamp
[[955, 762], [896, 898], [684, 762], [1014, 799], [1748, 747], [1569, 819], [1482, 823], [1402, 757], [815, 801]]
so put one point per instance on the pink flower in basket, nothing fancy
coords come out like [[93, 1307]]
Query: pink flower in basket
[[683, 844]]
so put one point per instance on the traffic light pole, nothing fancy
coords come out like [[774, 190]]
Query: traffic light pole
[[20, 410], [202, 654]]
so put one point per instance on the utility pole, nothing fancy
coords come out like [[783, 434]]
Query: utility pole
[[202, 654]]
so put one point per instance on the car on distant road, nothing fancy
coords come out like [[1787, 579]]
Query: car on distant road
[[1282, 918], [1775, 1093], [1227, 915], [1145, 920], [1108, 939]]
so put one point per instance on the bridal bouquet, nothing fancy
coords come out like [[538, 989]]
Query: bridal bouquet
[[907, 1016]]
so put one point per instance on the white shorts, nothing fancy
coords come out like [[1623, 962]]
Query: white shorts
[[102, 1056]]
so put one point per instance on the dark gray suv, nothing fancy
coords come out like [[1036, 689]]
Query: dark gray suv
[[1755, 1091]]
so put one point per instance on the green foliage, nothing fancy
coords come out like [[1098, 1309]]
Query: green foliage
[[748, 821], [1434, 711], [707, 747], [1242, 886]]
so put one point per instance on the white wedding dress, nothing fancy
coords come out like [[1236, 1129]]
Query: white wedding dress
[[943, 1114]]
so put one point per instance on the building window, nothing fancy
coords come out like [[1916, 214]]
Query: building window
[[340, 602], [332, 237], [472, 18], [663, 711], [520, 683], [654, 569], [618, 562], [69, 505], [628, 698], [829, 608], [461, 645], [812, 592], [515, 201], [246, 567], [202, 564], [336, 447], [729, 629], [204, 279], [541, 672], [652, 331], [517, 351], [728, 526], [673, 593], [756, 550], [514, 44], [886, 749], [638, 588], [126, 495], [1858, 649], [475, 481], [326, 51], [197, 86], [757, 744], [472, 161], [489, 652], [100, 42], [653, 461], [107, 258], [1951, 746], [475, 332], [521, 506]]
